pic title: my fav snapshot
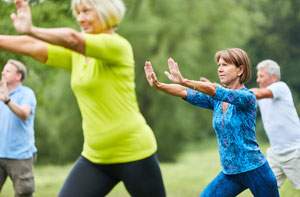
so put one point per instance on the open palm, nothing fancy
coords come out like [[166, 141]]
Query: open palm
[[174, 75], [22, 20], [3, 91]]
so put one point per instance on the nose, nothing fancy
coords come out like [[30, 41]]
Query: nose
[[220, 69], [80, 17], [257, 80]]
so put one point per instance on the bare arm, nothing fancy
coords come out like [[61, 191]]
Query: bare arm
[[172, 89], [65, 37], [261, 93], [22, 111], [175, 76], [25, 45]]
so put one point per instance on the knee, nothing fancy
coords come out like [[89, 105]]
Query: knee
[[24, 186]]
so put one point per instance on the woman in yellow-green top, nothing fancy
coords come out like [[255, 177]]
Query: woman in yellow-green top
[[118, 144]]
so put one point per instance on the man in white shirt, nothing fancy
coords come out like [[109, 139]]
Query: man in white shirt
[[281, 123]]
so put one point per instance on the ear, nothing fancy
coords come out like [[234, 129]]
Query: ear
[[19, 76], [274, 78], [241, 70]]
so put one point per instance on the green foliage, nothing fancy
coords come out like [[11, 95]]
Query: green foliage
[[189, 31]]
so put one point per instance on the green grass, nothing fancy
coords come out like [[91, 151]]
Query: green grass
[[188, 177]]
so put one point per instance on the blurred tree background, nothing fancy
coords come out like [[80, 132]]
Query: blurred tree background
[[190, 32]]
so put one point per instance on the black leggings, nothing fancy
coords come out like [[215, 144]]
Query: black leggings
[[141, 178]]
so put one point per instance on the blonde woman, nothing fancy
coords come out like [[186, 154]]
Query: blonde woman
[[118, 143]]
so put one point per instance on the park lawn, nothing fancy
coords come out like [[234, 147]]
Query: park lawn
[[187, 177]]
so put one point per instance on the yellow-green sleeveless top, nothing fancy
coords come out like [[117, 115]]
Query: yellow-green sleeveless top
[[114, 129]]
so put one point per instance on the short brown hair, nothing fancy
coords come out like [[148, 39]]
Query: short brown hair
[[20, 68], [239, 58]]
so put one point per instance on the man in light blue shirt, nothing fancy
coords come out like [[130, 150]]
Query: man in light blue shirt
[[17, 149]]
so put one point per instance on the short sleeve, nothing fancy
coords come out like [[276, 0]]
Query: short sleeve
[[278, 89], [110, 48], [29, 99], [59, 57]]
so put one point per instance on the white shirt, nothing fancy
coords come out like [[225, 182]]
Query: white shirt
[[280, 119]]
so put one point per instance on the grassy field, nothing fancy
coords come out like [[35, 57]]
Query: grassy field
[[186, 178]]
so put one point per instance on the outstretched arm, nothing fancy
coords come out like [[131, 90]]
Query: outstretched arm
[[175, 76], [25, 45], [172, 89], [65, 37], [261, 93]]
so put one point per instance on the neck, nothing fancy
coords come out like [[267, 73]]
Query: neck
[[235, 86], [11, 87], [109, 31]]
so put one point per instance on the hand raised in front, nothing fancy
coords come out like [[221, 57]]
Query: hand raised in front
[[3, 90], [150, 75], [22, 20], [174, 75]]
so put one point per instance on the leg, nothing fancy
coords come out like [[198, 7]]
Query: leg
[[261, 181], [143, 177], [223, 186], [21, 174], [292, 168], [3, 174], [87, 179], [276, 167]]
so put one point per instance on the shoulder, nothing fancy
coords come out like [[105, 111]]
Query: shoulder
[[279, 84], [103, 36], [26, 90], [247, 92], [279, 88]]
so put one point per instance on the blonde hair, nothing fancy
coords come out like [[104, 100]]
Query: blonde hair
[[239, 58], [110, 12], [20, 68]]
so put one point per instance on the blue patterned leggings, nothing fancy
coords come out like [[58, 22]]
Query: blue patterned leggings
[[261, 182]]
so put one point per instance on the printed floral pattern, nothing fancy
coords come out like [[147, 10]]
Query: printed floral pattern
[[235, 128]]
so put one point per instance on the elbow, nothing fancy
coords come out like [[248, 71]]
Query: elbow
[[24, 116], [77, 42]]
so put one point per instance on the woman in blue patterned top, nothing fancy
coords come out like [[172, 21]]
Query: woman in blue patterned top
[[243, 164]]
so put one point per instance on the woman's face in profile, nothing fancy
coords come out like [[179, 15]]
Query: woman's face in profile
[[88, 18]]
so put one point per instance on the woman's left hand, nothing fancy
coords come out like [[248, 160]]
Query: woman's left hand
[[22, 20], [174, 75]]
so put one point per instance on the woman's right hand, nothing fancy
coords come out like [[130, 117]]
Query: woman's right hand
[[150, 75], [22, 20]]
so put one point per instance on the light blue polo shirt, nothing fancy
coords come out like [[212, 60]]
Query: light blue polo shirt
[[17, 135]]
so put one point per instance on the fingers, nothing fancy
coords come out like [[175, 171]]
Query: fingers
[[171, 64], [13, 16], [204, 79], [148, 66], [168, 75], [149, 72]]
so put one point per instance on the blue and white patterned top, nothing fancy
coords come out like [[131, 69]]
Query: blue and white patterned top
[[235, 129]]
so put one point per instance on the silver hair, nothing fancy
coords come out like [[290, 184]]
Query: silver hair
[[110, 12], [272, 67], [20, 67]]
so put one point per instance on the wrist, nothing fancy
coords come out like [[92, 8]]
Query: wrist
[[183, 82], [7, 101]]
